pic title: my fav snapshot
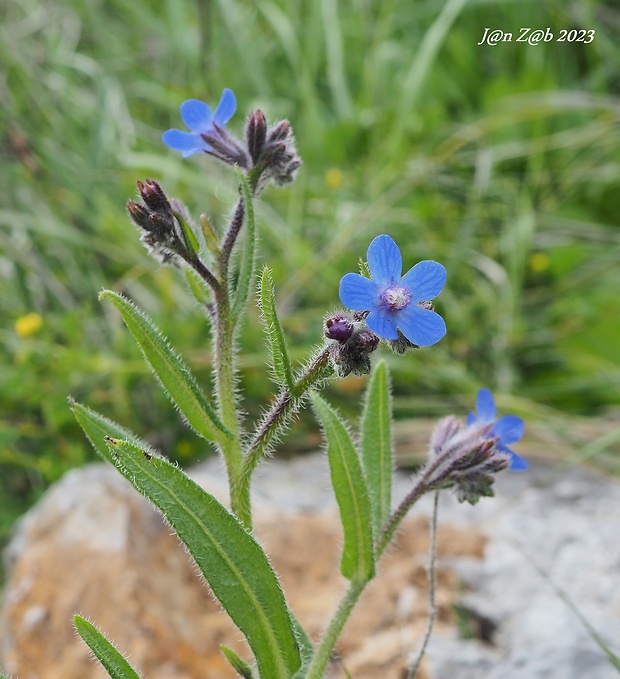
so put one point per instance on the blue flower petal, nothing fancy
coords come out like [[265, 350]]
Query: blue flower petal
[[509, 429], [485, 405], [188, 142], [384, 261], [382, 323], [471, 419], [225, 109], [197, 115], [425, 280], [517, 463], [358, 292], [421, 326]]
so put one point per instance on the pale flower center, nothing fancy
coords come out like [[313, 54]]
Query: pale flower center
[[396, 298]]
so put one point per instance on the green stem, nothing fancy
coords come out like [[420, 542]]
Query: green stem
[[227, 402], [316, 669], [431, 478], [391, 525]]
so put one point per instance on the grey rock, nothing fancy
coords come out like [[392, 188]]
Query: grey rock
[[553, 555]]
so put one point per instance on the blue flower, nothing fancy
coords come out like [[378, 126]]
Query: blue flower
[[508, 429], [197, 116], [395, 303]]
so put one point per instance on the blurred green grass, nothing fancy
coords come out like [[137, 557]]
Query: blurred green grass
[[501, 162]]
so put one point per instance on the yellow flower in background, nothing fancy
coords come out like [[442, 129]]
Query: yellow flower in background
[[539, 262], [185, 449], [28, 325], [333, 178]]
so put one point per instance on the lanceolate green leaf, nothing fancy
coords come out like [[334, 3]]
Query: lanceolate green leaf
[[277, 344], [171, 371], [247, 262], [239, 665], [232, 562], [116, 666], [97, 427], [306, 647], [376, 444], [351, 493]]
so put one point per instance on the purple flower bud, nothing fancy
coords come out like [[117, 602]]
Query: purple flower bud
[[256, 134], [352, 355], [153, 196], [279, 131], [139, 215], [158, 220], [465, 459], [338, 327]]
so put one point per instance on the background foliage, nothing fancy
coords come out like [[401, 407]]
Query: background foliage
[[501, 162]]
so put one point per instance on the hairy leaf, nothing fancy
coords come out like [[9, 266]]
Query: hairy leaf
[[97, 427], [280, 360], [170, 369], [116, 666], [239, 665], [376, 444], [232, 562], [351, 493]]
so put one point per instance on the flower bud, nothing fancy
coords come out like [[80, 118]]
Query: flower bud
[[279, 131], [153, 196], [158, 219], [139, 215], [278, 159], [256, 134], [465, 459], [338, 327], [351, 355]]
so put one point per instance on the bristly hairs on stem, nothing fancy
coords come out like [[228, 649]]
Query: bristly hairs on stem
[[286, 405], [432, 606], [230, 237]]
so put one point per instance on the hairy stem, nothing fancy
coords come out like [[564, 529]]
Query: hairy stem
[[432, 607], [387, 533], [230, 238], [429, 480], [227, 402], [204, 272], [285, 406], [225, 369], [323, 653]]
